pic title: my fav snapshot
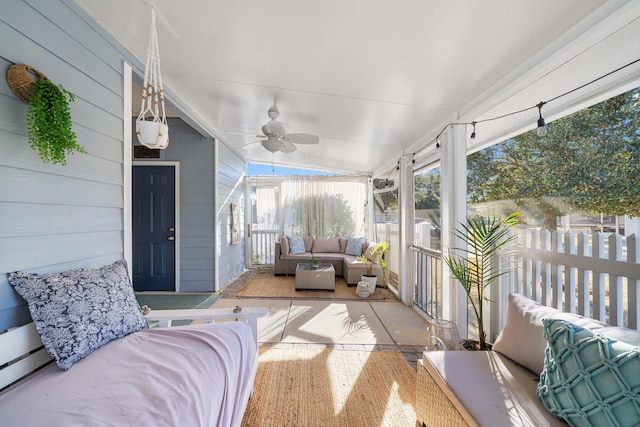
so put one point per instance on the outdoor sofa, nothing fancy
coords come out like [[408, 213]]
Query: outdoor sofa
[[582, 375], [336, 251], [110, 368]]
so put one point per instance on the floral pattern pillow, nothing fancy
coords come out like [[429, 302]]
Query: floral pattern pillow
[[78, 311]]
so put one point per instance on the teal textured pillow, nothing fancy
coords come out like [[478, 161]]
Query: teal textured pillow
[[589, 379], [354, 246]]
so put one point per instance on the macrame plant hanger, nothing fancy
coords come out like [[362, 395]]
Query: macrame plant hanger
[[154, 131]]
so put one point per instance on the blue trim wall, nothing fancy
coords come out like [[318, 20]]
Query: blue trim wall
[[54, 217]]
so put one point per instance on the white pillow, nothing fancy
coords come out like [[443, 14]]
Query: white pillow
[[522, 339]]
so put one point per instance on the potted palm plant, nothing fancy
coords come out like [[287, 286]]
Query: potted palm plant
[[377, 254], [482, 238]]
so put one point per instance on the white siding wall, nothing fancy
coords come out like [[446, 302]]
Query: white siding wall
[[230, 175]]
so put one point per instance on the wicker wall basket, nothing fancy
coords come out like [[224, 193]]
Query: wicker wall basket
[[20, 78]]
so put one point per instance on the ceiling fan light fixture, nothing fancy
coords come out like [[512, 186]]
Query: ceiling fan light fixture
[[272, 144]]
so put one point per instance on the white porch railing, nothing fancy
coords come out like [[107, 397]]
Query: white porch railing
[[263, 246], [595, 275], [598, 276]]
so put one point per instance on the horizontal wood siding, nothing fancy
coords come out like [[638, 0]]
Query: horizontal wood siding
[[231, 260], [54, 218], [195, 154]]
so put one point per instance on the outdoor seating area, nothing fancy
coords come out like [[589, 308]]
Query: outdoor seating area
[[588, 373], [335, 251]]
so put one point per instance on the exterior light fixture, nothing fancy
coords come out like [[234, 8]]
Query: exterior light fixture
[[473, 134], [542, 126]]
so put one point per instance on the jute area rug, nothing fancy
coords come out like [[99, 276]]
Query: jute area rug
[[327, 387], [267, 285]]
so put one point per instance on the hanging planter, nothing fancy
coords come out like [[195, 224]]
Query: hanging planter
[[154, 131], [48, 116]]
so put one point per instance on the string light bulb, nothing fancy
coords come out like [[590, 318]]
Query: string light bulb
[[473, 134], [542, 126]]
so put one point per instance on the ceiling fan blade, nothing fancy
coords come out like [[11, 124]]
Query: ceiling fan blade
[[303, 138], [288, 147], [250, 145]]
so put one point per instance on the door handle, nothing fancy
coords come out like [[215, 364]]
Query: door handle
[[172, 229], [171, 238]]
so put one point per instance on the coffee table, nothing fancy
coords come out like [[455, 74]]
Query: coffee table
[[321, 278]]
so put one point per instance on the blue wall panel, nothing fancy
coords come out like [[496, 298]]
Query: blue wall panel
[[52, 217]]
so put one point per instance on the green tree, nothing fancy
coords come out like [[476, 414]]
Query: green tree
[[589, 160], [427, 190]]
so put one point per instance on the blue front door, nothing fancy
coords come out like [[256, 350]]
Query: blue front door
[[154, 249]]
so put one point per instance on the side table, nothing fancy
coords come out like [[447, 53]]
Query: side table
[[321, 278]]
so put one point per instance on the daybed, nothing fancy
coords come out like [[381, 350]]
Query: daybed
[[195, 375], [337, 251], [589, 375]]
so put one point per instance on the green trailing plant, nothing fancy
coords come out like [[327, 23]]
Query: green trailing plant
[[482, 239], [49, 122], [377, 252]]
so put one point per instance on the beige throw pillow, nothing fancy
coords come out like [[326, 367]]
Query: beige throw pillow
[[522, 339]]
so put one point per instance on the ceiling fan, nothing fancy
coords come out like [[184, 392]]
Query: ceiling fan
[[276, 138]]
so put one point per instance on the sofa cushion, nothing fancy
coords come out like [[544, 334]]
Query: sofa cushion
[[296, 245], [78, 311], [284, 245], [491, 388], [326, 246], [343, 244], [522, 338], [589, 379], [308, 243], [354, 246]]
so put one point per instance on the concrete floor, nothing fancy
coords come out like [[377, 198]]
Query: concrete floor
[[343, 324]]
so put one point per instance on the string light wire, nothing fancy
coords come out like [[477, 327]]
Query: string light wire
[[539, 105]]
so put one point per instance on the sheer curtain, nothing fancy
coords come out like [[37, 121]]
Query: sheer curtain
[[323, 206]]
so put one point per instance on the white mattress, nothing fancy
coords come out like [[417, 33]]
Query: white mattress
[[198, 375]]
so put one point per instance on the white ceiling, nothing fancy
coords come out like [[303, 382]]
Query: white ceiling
[[373, 78]]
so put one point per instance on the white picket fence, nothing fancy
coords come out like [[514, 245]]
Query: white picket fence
[[595, 275]]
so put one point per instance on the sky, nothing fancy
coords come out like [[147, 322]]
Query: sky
[[255, 169]]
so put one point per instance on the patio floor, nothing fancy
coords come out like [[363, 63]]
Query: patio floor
[[343, 324]]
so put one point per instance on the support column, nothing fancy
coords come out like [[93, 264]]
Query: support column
[[405, 224], [453, 174]]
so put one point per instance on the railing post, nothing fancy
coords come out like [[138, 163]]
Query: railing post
[[633, 258], [584, 251], [616, 310], [598, 250]]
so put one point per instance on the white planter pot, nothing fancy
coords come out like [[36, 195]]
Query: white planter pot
[[152, 134], [371, 280]]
